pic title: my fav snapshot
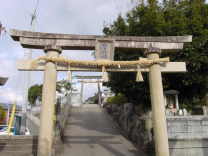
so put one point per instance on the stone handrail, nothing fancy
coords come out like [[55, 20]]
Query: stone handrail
[[62, 114]]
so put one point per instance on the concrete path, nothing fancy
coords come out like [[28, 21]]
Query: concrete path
[[91, 132]]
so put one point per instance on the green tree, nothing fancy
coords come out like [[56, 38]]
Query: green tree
[[35, 91], [167, 18], [63, 84], [118, 99], [93, 99]]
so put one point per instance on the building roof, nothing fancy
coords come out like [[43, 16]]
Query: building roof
[[171, 92], [8, 105], [3, 80]]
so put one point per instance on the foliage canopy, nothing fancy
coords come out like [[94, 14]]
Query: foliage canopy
[[35, 91], [167, 18], [117, 99]]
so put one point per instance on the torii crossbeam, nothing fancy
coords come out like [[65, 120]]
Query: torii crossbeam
[[37, 40], [53, 44]]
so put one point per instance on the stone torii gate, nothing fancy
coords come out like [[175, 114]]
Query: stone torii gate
[[89, 79], [53, 44]]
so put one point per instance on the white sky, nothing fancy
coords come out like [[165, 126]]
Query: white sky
[[55, 16]]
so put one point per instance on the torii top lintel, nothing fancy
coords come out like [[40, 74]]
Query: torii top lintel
[[38, 40]]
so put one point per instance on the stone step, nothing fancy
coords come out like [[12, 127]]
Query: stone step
[[15, 142], [24, 149], [18, 147], [19, 153], [18, 139]]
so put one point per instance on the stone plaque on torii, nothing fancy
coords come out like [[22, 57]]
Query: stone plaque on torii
[[53, 44]]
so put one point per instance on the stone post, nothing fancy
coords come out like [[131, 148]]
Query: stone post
[[158, 107], [177, 103], [165, 100], [205, 108], [46, 131], [99, 94], [82, 92]]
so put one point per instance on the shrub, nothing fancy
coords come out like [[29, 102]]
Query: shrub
[[117, 99]]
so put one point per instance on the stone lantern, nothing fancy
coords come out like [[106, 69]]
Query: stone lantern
[[171, 98]]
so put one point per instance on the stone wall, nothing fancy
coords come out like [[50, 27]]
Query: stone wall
[[18, 146], [62, 115], [33, 124], [188, 135], [187, 127], [63, 111], [24, 146], [133, 126]]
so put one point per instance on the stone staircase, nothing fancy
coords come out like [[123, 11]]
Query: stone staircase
[[18, 146], [91, 132]]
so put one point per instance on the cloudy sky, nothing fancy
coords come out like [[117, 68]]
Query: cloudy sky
[[55, 16]]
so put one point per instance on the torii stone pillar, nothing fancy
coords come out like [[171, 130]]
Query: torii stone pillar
[[48, 102], [158, 108]]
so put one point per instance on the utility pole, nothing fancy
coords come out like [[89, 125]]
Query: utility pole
[[27, 75]]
